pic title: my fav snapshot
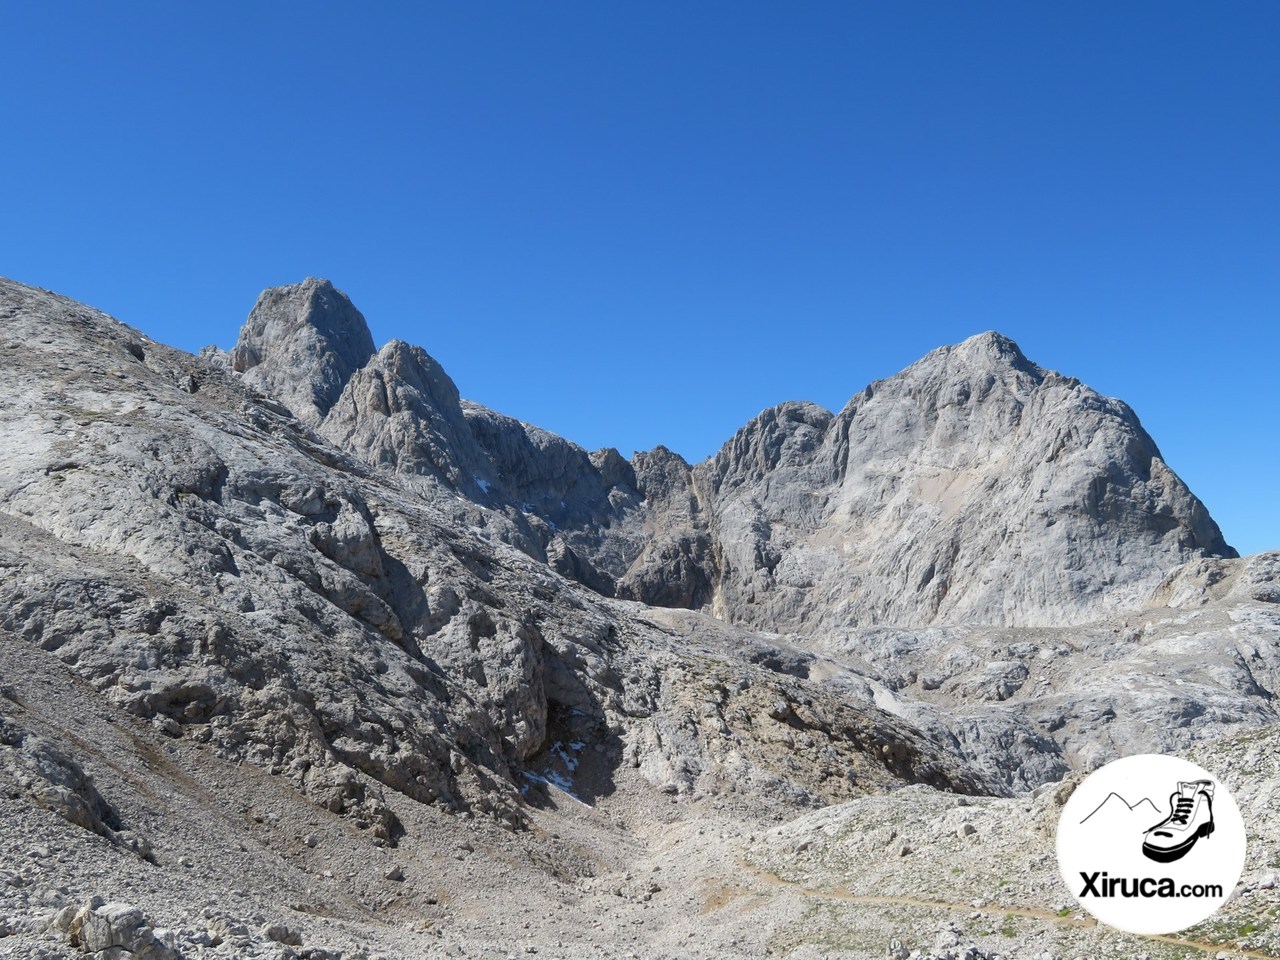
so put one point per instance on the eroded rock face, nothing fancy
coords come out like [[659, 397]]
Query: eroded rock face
[[414, 596], [212, 565], [403, 413], [673, 560], [973, 487], [301, 344], [38, 768], [231, 632], [400, 608]]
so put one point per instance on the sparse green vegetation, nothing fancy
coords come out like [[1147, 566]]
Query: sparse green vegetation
[[1229, 930]]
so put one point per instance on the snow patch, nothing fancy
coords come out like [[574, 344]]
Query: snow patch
[[561, 780], [570, 761], [563, 784]]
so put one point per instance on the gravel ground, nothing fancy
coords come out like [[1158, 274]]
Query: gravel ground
[[239, 860]]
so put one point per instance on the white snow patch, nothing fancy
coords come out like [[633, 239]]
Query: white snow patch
[[570, 761], [563, 784]]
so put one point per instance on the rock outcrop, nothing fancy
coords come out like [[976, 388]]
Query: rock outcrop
[[112, 931], [267, 616], [248, 586], [34, 766], [403, 413], [973, 487], [301, 344]]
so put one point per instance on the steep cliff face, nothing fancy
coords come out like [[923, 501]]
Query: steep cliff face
[[973, 487], [401, 412], [301, 344], [213, 565], [331, 653]]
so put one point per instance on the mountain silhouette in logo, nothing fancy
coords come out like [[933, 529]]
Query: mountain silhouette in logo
[[1117, 807]]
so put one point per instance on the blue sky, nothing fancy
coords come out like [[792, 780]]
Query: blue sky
[[643, 223]]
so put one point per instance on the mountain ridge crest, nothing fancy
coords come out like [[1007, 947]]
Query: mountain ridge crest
[[898, 509]]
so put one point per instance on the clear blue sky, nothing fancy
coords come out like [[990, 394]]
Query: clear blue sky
[[642, 223]]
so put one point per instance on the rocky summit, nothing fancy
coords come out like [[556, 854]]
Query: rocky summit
[[973, 487], [304, 655]]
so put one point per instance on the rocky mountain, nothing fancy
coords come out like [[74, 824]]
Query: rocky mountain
[[302, 344], [973, 487], [295, 643]]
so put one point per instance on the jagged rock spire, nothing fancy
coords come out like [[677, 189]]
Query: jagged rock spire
[[301, 344]]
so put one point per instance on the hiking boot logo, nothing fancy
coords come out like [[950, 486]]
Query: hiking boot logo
[[1127, 857], [1190, 818]]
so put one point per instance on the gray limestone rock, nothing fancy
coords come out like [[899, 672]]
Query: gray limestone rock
[[402, 412], [973, 487], [248, 587], [390, 616], [113, 931], [34, 766], [672, 561], [301, 344]]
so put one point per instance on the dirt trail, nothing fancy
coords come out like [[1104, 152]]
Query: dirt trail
[[773, 880]]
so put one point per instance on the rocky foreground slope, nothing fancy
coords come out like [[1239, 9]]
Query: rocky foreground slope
[[296, 644]]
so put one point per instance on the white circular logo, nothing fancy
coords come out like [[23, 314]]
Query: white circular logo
[[1151, 844]]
